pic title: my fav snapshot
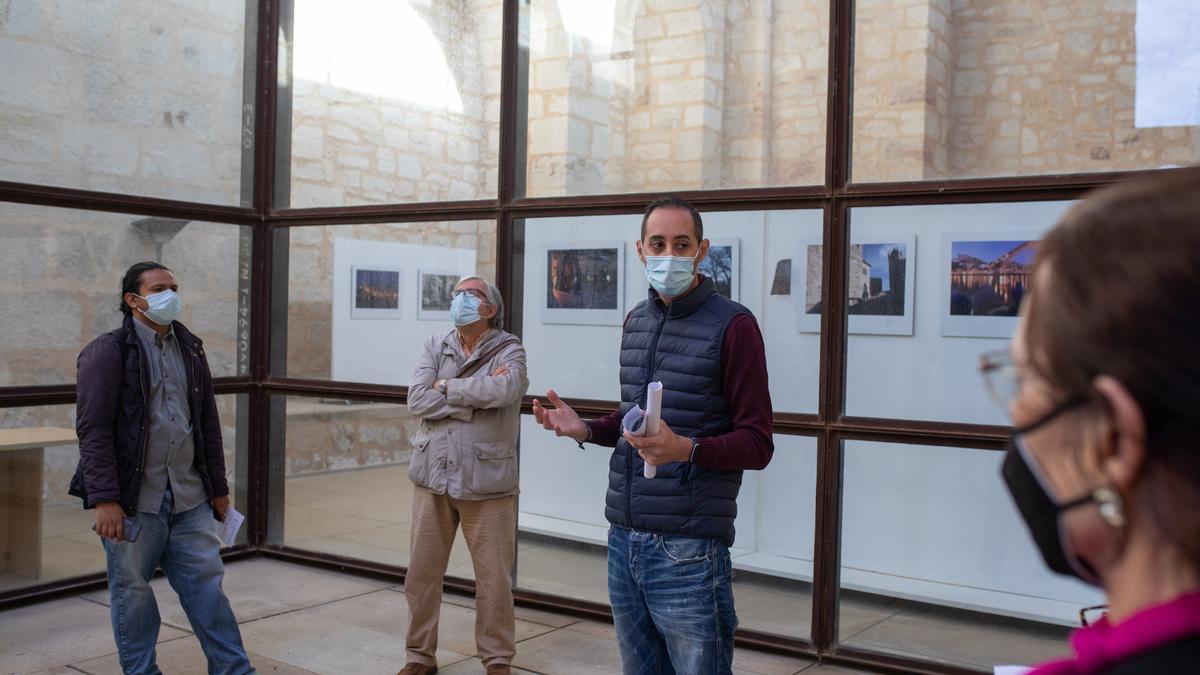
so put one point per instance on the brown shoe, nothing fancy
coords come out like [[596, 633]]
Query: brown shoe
[[499, 669], [414, 668]]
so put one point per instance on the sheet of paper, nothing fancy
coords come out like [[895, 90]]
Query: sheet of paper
[[640, 422], [654, 394], [1168, 64], [231, 525]]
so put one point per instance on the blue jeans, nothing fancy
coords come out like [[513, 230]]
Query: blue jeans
[[188, 549], [672, 602]]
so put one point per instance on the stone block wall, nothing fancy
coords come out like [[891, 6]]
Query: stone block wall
[[62, 286], [124, 96], [324, 435], [357, 147], [964, 88], [684, 94]]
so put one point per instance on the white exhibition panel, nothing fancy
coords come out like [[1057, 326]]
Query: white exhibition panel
[[793, 358], [928, 376], [562, 487], [937, 524], [776, 512], [385, 350], [580, 360]]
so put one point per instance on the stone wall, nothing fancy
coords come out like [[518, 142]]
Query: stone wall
[[124, 96], [325, 435], [982, 88], [121, 96], [683, 94], [357, 147], [61, 286]]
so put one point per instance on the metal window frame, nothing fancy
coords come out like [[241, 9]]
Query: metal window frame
[[830, 426]]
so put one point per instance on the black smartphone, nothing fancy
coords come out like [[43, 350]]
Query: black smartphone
[[130, 529]]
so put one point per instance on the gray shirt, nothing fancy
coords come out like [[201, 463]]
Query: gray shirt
[[170, 450]]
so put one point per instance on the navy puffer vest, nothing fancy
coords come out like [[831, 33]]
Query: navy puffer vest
[[679, 344]]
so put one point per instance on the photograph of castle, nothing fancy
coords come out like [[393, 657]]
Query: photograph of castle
[[879, 286]]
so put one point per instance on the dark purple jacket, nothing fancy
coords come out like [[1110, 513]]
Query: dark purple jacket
[[112, 418]]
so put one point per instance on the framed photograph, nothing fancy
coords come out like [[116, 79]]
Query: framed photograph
[[722, 266], [881, 285], [782, 283], [584, 284], [435, 289], [375, 292], [984, 277]]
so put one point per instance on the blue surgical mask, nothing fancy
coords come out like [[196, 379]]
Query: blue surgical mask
[[163, 307], [670, 275], [464, 309]]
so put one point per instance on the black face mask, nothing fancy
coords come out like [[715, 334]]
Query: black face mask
[[1043, 516]]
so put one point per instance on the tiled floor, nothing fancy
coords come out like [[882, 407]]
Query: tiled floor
[[297, 619], [365, 514]]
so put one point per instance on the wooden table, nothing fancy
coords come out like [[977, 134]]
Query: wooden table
[[21, 464]]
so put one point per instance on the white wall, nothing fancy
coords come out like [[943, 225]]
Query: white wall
[[927, 376], [765, 237], [384, 351], [936, 523]]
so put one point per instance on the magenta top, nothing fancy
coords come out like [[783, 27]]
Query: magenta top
[[1104, 645]]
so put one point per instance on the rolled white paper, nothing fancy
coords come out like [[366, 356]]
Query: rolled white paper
[[654, 394]]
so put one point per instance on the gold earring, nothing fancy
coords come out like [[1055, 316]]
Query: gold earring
[[1112, 507]]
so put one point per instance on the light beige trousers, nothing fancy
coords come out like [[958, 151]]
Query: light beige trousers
[[489, 526]]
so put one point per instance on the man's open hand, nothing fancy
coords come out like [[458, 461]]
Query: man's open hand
[[560, 419]]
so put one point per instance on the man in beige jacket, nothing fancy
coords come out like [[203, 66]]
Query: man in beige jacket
[[467, 390]]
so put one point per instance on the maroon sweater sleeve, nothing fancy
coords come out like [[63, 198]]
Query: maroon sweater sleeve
[[750, 444], [744, 362], [605, 431]]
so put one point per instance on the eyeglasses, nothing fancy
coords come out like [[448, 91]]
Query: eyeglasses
[[1001, 377], [472, 291], [1098, 612]]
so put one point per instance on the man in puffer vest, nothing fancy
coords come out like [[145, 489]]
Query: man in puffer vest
[[669, 571]]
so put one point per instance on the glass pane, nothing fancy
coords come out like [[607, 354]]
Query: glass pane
[[931, 288], [363, 299], [773, 554], [344, 477], [60, 285], [937, 564], [389, 102], [643, 97], [140, 98], [752, 251], [1007, 87], [563, 531], [48, 533]]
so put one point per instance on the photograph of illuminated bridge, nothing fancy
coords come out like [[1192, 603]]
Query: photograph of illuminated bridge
[[989, 278]]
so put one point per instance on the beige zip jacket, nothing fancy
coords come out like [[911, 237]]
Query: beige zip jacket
[[466, 445]]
